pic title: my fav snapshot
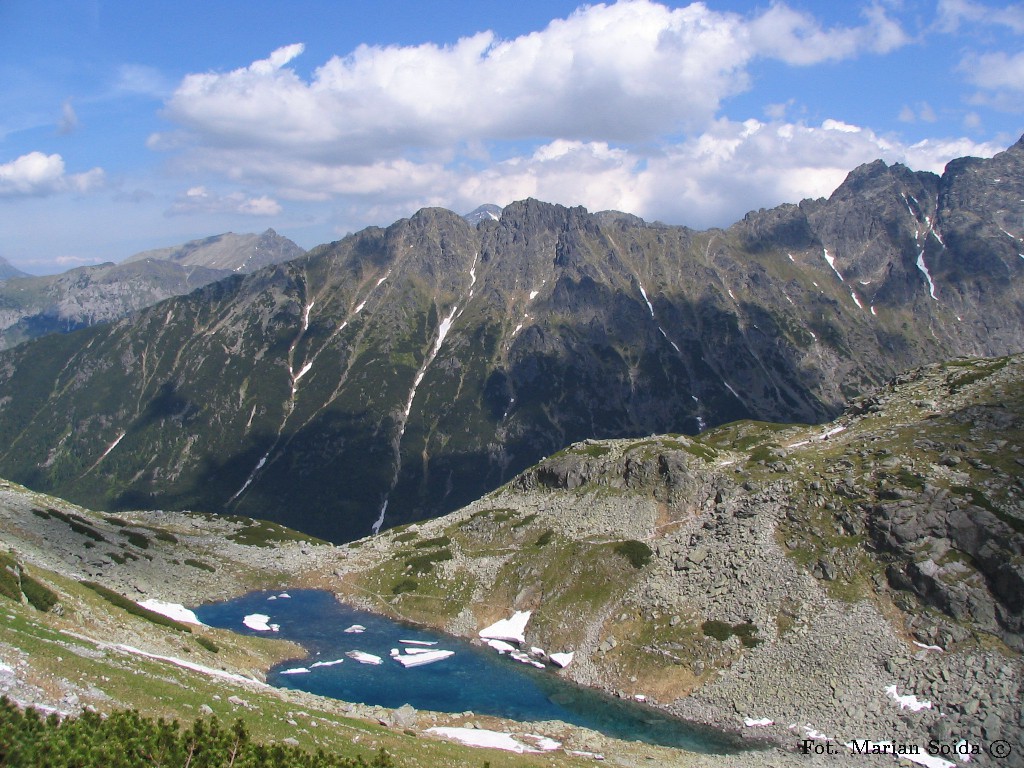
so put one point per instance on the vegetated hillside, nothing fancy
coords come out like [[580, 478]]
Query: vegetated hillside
[[74, 641], [402, 372], [31, 307], [773, 571]]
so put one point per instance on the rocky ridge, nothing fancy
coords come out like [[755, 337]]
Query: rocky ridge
[[32, 306], [435, 359]]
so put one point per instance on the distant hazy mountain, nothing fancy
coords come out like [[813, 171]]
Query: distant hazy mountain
[[400, 373], [8, 270], [35, 306], [228, 252]]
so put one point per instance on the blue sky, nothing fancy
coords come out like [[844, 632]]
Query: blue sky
[[129, 125]]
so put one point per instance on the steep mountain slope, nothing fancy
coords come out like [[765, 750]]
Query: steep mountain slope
[[860, 580], [31, 307], [401, 372], [783, 572]]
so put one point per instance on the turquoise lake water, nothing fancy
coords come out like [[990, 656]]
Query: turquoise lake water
[[475, 679]]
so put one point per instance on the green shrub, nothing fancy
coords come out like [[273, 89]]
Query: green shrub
[[39, 597], [425, 562], [722, 631], [636, 552], [128, 740], [407, 536], [167, 536], [405, 585], [545, 538], [200, 565], [10, 581], [208, 644], [83, 528], [137, 538]]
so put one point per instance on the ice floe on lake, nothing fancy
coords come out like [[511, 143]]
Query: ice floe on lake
[[417, 657], [364, 658], [260, 623], [355, 629]]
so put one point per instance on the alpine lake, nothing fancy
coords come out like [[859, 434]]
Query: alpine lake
[[474, 679]]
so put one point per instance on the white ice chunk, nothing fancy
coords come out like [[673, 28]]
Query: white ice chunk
[[908, 701], [929, 761], [295, 671], [364, 658], [928, 647], [927, 275], [480, 737], [511, 630], [562, 659], [172, 611], [833, 431], [355, 629], [757, 722], [260, 623], [501, 646], [832, 263], [419, 642], [326, 663], [193, 666], [423, 657]]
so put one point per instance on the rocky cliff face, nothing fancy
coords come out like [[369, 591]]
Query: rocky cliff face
[[31, 307], [401, 372]]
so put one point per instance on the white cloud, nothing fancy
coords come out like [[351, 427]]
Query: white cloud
[[38, 175], [199, 200], [1000, 76], [634, 70], [68, 120], [797, 38], [711, 179], [951, 13]]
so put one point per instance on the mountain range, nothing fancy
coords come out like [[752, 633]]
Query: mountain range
[[32, 306], [402, 372]]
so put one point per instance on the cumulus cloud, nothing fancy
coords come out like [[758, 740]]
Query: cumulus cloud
[[616, 106], [201, 200], [634, 70], [38, 175]]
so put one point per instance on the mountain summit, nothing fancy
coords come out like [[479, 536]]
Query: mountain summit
[[402, 372]]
